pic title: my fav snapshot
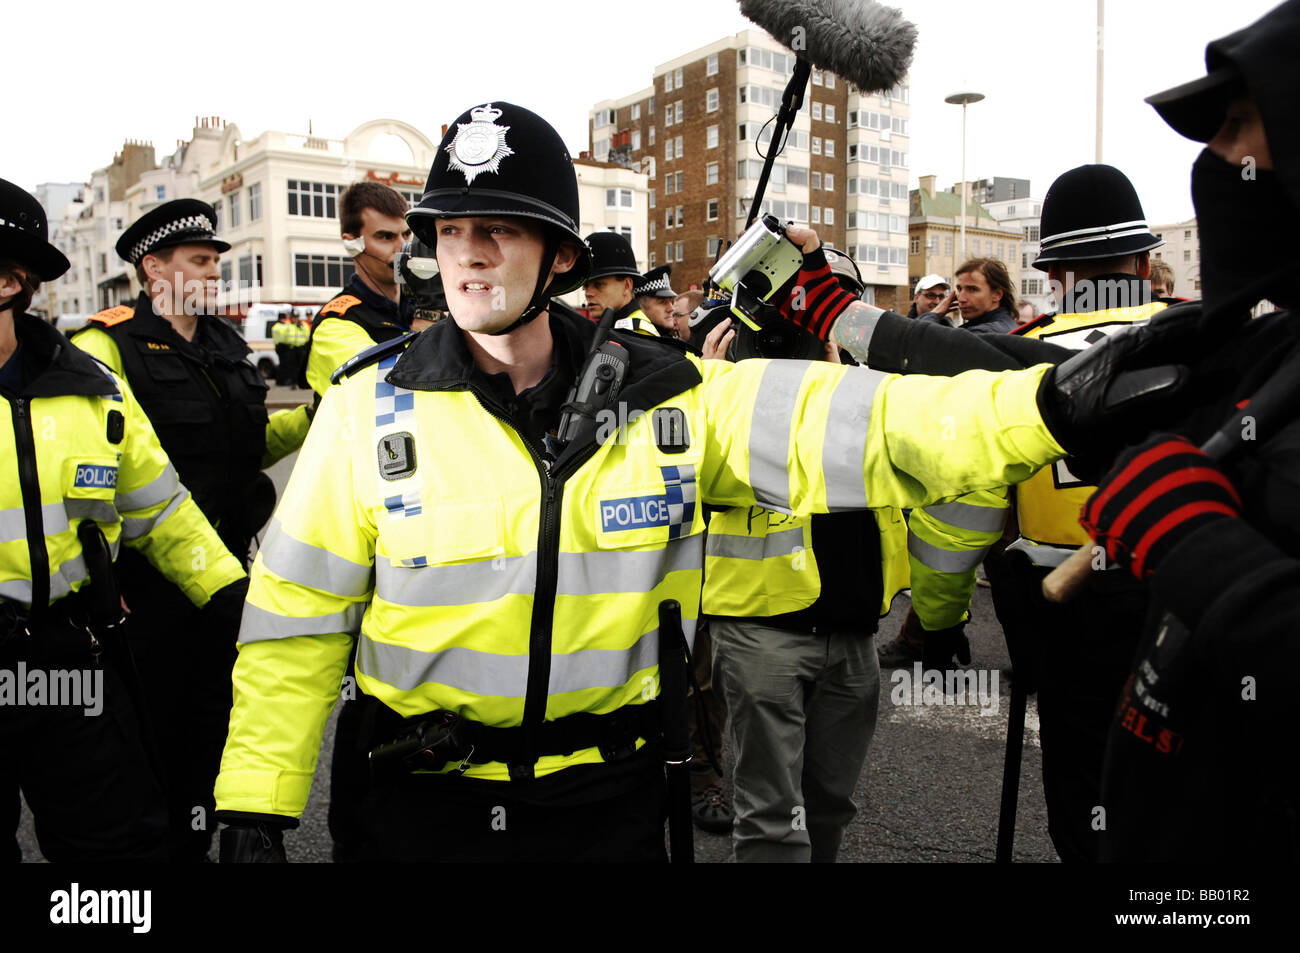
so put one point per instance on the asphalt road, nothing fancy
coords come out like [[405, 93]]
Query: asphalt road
[[929, 792]]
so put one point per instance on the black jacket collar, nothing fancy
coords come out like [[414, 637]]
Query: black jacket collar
[[1105, 292], [399, 312], [54, 367], [213, 336]]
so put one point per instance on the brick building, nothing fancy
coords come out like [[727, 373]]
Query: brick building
[[694, 133]]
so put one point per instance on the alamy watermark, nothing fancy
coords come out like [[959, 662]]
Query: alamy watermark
[[60, 688], [935, 688]]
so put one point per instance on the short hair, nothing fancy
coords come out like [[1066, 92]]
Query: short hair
[[1162, 273], [23, 275], [995, 273], [362, 195], [162, 254]]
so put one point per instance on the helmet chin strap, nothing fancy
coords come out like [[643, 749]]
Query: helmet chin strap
[[540, 298]]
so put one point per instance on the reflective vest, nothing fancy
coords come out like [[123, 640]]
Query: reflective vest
[[282, 332], [476, 579], [759, 562], [343, 328], [77, 440], [1048, 504], [946, 542]]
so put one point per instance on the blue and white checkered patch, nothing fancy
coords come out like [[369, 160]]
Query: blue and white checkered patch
[[400, 507], [392, 403], [679, 487]]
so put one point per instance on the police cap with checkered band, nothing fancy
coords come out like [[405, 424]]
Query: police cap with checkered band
[[178, 222], [501, 159]]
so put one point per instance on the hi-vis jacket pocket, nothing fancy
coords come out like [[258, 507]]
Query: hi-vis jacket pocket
[[446, 533]]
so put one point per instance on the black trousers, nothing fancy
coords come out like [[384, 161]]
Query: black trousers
[[286, 365], [187, 686], [85, 774], [422, 818], [1080, 654]]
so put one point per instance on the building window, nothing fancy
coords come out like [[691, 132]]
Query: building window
[[828, 147], [679, 147], [679, 177], [714, 244], [160, 192], [668, 218], [816, 215], [711, 101], [626, 232], [817, 77], [711, 65], [227, 273], [677, 75], [817, 110], [668, 252], [618, 198], [255, 202], [830, 80], [830, 113], [828, 182], [1031, 233], [668, 184], [711, 210], [652, 198], [322, 271], [636, 110], [216, 208], [681, 112], [668, 150], [315, 199], [947, 244], [681, 215], [234, 210], [828, 216], [653, 223], [711, 137], [816, 180], [711, 174], [651, 139], [1187, 254], [680, 255], [1187, 235], [651, 105], [636, 140], [668, 82], [652, 259], [915, 245], [816, 145]]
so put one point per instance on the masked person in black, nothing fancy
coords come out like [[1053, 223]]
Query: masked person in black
[[1199, 763]]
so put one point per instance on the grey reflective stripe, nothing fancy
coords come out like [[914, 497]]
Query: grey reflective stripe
[[99, 510], [985, 519], [311, 566], [151, 494], [478, 673], [782, 543], [944, 560], [1041, 554], [769, 432], [73, 570], [845, 447], [458, 585], [259, 625], [13, 522], [614, 570], [134, 527]]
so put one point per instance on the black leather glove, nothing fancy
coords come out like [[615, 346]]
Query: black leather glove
[[941, 645], [1108, 396], [253, 838], [223, 612]]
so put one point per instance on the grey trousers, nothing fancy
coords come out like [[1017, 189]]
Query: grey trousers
[[802, 712]]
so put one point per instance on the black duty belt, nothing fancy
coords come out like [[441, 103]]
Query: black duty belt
[[63, 631], [433, 741]]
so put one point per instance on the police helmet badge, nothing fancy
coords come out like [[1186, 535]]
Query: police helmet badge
[[480, 144]]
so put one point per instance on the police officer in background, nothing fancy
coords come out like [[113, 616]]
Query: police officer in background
[[506, 601], [654, 296], [370, 308], [283, 336], [612, 283], [188, 368], [84, 473]]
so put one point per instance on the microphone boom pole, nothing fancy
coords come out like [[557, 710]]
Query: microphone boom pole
[[791, 103]]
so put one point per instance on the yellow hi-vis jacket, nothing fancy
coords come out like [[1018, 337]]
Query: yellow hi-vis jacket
[[946, 542], [475, 579], [760, 562], [1048, 504], [95, 458], [282, 332]]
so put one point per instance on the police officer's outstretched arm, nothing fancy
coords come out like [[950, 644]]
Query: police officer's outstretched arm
[[311, 583]]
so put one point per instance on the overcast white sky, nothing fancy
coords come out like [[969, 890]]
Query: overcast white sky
[[94, 74]]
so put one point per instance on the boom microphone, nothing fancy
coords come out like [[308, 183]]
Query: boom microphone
[[865, 43]]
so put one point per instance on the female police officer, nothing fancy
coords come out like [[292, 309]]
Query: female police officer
[[79, 450]]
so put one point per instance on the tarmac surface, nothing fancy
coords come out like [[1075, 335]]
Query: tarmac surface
[[930, 790]]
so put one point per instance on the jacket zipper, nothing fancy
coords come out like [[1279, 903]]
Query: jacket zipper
[[29, 483], [548, 557]]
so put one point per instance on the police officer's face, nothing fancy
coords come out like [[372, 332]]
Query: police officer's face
[[608, 292], [489, 268], [660, 312], [190, 281], [384, 234], [974, 296]]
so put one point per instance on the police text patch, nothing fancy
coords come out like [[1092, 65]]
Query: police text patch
[[92, 475], [637, 512]]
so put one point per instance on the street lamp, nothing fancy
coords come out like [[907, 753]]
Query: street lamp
[[963, 100]]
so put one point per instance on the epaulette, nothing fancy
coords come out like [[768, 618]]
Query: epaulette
[[123, 312], [371, 355], [341, 304]]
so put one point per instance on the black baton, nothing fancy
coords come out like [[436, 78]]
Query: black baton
[[677, 735]]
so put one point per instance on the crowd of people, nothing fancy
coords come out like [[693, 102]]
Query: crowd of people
[[477, 566]]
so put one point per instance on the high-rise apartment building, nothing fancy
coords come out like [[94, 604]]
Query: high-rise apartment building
[[696, 132]]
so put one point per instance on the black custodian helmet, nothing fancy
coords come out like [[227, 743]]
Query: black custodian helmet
[[611, 257], [502, 159]]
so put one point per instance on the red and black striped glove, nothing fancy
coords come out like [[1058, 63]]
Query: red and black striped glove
[[1155, 496], [817, 298]]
